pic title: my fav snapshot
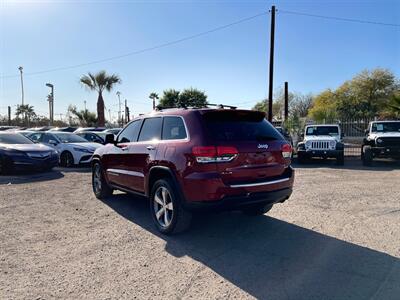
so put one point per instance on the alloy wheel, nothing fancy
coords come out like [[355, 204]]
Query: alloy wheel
[[163, 206], [97, 179]]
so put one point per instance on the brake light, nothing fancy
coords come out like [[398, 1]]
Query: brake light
[[286, 151], [210, 154]]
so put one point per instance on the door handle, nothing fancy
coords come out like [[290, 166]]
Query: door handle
[[150, 148], [124, 148]]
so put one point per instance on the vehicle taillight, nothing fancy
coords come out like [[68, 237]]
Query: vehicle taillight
[[286, 151], [210, 154]]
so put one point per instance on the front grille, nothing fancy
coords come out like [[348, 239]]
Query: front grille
[[320, 145], [39, 155], [390, 141]]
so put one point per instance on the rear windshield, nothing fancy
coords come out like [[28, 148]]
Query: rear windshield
[[232, 125], [14, 139]]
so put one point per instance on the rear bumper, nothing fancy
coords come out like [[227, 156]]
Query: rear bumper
[[241, 201], [320, 153], [208, 191]]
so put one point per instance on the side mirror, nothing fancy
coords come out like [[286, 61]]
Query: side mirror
[[53, 142], [110, 139], [366, 131], [302, 135]]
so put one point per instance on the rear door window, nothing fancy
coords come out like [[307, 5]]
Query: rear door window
[[151, 129], [233, 125], [173, 129]]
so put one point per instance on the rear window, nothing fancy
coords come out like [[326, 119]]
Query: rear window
[[233, 125]]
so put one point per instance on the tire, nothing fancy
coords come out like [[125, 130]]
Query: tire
[[99, 185], [66, 159], [340, 159], [300, 158], [166, 208], [257, 210], [5, 166], [366, 155]]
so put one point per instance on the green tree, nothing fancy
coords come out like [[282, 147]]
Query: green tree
[[85, 117], [394, 104], [100, 82], [187, 98], [169, 98], [26, 111], [324, 107]]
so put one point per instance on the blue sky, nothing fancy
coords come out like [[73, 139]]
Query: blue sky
[[230, 65]]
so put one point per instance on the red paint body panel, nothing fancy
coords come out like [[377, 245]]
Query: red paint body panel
[[128, 165]]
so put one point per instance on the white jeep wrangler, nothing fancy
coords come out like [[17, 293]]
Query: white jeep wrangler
[[324, 141], [382, 139]]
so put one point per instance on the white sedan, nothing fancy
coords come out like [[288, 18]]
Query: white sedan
[[73, 149]]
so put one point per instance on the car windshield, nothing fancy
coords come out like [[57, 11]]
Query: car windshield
[[239, 126], [14, 139], [322, 130], [386, 127], [69, 138]]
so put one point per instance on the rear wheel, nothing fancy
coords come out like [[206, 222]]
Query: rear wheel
[[166, 208], [66, 159], [100, 187], [257, 210], [366, 155]]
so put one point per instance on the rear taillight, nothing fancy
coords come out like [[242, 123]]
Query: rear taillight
[[210, 154], [286, 151]]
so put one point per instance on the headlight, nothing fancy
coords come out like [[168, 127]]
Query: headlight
[[379, 141], [308, 144], [332, 144], [84, 150]]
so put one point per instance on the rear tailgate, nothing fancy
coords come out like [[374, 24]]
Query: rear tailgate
[[259, 155]]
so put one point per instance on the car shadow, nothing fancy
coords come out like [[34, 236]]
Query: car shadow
[[350, 164], [274, 259], [29, 177]]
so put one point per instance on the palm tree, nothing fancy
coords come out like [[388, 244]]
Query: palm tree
[[154, 96], [26, 111], [100, 82]]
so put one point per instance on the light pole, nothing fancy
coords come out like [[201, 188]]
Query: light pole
[[119, 107], [51, 103], [20, 68], [84, 104]]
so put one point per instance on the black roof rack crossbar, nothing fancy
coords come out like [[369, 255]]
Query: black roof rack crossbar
[[222, 106]]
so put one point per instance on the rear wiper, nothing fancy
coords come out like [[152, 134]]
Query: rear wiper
[[265, 138]]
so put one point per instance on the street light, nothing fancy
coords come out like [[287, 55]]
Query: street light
[[51, 102], [119, 107], [20, 68]]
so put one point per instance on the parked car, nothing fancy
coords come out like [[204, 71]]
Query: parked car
[[382, 139], [95, 137], [114, 131], [64, 129], [20, 153], [323, 141], [82, 129], [73, 149], [187, 160]]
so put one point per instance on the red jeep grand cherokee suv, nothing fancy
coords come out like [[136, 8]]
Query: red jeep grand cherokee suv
[[186, 160]]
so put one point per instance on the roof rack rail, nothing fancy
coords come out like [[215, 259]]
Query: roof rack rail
[[222, 106]]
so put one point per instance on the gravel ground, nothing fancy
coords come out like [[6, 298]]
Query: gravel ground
[[338, 237]]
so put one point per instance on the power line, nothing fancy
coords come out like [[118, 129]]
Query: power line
[[145, 49], [339, 18]]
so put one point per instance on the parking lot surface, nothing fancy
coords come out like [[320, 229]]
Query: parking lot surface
[[337, 237]]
